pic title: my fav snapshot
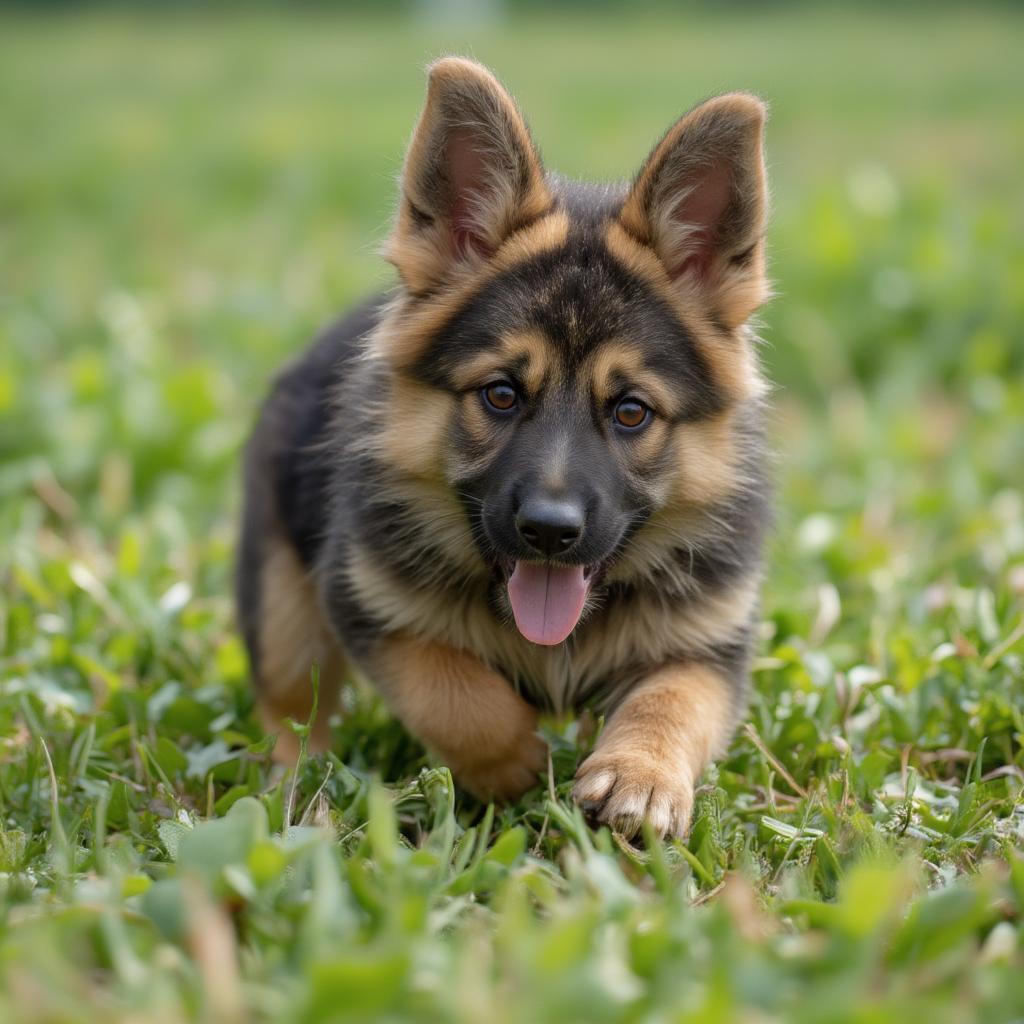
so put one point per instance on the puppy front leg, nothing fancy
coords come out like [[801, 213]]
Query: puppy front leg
[[464, 712], [654, 747]]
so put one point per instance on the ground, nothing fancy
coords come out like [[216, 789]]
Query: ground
[[183, 200]]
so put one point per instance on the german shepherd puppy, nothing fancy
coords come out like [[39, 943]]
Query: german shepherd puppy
[[531, 478]]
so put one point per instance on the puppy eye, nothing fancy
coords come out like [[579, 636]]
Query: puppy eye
[[631, 415], [500, 396]]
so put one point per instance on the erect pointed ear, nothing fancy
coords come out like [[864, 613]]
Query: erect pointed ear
[[700, 201], [471, 176]]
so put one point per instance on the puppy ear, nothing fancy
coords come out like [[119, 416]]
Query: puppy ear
[[700, 201], [472, 176]]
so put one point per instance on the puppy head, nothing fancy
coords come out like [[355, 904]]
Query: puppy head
[[569, 359]]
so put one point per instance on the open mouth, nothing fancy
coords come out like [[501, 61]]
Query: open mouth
[[547, 599]]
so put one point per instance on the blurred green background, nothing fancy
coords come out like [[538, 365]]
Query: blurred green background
[[186, 195]]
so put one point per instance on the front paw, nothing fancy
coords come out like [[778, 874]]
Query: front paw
[[624, 788]]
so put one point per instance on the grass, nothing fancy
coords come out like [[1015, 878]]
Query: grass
[[182, 202]]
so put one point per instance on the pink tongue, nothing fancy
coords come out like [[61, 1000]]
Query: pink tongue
[[547, 600]]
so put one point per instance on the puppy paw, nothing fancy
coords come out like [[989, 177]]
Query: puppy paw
[[508, 776], [623, 789]]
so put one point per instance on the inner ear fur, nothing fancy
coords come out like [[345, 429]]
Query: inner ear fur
[[701, 202], [472, 176]]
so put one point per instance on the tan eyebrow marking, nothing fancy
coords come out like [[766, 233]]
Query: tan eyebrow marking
[[528, 352], [621, 359]]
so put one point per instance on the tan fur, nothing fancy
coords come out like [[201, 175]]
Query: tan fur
[[460, 622], [647, 448], [706, 461], [293, 638], [414, 253], [651, 552], [464, 712], [415, 422], [729, 356], [654, 747], [477, 424], [654, 627], [438, 513], [542, 236], [408, 326]]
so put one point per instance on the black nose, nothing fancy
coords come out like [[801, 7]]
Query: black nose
[[550, 527]]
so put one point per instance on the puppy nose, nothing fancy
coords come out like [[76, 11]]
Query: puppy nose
[[550, 527]]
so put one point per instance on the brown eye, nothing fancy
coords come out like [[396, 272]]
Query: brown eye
[[500, 397], [631, 414]]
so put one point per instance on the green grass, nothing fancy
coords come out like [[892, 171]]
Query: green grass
[[182, 202]]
